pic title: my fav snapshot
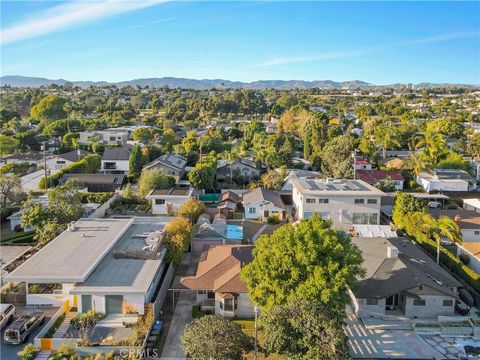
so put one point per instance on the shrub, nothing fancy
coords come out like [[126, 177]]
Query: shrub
[[197, 313], [99, 197], [128, 308], [29, 352], [464, 258], [18, 228], [66, 350], [273, 219], [86, 320]]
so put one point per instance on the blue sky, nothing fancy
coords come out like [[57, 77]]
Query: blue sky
[[379, 42]]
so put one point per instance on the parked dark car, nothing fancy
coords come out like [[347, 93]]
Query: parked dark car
[[21, 329], [462, 308]]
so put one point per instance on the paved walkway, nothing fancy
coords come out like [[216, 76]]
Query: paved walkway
[[181, 317], [367, 343], [258, 233], [43, 355], [62, 329]]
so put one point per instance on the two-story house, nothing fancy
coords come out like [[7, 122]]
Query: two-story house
[[115, 161], [58, 162], [344, 202], [105, 137], [168, 201], [169, 164]]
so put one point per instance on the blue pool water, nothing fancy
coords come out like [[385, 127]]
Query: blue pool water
[[234, 232]]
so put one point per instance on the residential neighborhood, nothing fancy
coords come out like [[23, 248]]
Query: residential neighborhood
[[192, 191]]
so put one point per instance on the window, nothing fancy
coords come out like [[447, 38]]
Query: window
[[372, 201], [359, 201], [159, 201], [310, 201], [201, 292], [419, 302], [364, 218], [112, 138], [447, 302], [372, 301], [323, 201], [211, 295], [252, 210], [476, 232], [228, 305], [110, 165]]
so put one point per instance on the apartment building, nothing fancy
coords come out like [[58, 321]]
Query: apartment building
[[344, 202]]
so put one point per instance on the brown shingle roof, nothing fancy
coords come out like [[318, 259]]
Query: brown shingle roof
[[465, 219], [219, 269]]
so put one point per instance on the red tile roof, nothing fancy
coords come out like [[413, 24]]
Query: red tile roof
[[374, 176]]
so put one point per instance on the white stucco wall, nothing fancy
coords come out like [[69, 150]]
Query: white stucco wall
[[366, 311], [176, 202], [471, 235], [432, 309], [430, 185], [122, 165]]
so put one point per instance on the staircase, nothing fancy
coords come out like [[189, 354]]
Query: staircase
[[62, 330]]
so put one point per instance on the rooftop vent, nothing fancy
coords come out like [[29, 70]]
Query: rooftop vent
[[392, 252]]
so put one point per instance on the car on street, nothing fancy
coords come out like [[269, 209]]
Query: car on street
[[21, 329], [7, 311]]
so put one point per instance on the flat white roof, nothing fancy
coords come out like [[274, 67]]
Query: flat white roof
[[72, 255], [126, 275], [344, 187], [472, 202]]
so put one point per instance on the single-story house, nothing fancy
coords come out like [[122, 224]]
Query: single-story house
[[169, 164], [472, 250], [31, 158], [168, 201], [218, 284], [98, 264], [57, 162], [446, 180], [97, 182], [373, 177], [401, 280], [361, 164], [116, 161], [244, 167], [468, 221], [472, 204], [261, 203]]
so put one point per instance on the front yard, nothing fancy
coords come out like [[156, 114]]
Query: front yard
[[248, 328]]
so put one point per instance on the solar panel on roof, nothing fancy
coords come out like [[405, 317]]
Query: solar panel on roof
[[313, 185]]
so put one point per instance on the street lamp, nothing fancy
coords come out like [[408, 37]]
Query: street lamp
[[255, 310]]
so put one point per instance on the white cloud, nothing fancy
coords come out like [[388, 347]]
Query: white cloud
[[151, 23], [364, 51], [308, 58], [68, 15]]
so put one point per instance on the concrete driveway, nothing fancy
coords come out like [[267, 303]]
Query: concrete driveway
[[367, 343], [181, 317], [8, 351]]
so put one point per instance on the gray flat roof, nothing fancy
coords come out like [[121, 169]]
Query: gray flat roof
[[119, 276], [72, 255], [346, 187], [10, 253]]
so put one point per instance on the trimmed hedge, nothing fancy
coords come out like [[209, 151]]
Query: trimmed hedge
[[99, 197], [16, 168], [88, 165]]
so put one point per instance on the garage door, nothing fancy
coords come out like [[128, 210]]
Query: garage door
[[113, 304]]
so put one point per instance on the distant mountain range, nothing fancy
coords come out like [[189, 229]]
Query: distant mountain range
[[172, 82]]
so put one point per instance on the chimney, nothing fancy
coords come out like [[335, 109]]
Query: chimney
[[392, 252], [457, 219]]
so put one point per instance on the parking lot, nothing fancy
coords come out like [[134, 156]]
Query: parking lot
[[9, 352]]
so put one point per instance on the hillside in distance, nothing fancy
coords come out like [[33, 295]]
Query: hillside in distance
[[173, 82]]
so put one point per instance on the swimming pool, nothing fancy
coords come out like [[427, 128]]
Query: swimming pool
[[234, 232]]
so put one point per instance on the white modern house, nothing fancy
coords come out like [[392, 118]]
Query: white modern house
[[472, 204], [217, 282], [105, 137], [99, 264], [261, 203], [115, 161], [168, 201], [446, 180], [344, 202], [401, 280], [57, 162]]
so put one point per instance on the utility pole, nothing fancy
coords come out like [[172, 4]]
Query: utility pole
[[44, 144], [255, 310]]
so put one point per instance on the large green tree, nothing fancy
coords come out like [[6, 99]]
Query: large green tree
[[216, 338], [337, 157], [10, 186], [303, 329], [153, 179], [309, 261], [50, 108], [443, 227], [404, 206], [8, 144]]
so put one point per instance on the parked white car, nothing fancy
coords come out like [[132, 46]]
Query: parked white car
[[7, 311]]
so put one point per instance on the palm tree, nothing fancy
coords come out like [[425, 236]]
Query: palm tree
[[434, 145], [443, 227], [418, 162], [94, 141], [387, 137]]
